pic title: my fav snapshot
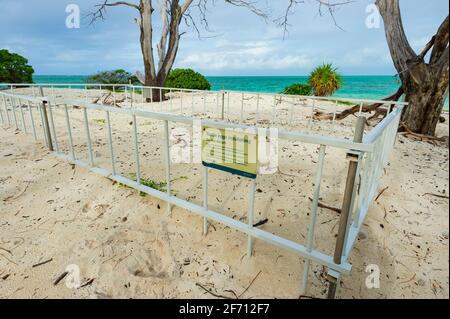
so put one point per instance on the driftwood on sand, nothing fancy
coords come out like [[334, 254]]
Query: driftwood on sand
[[108, 99], [320, 115]]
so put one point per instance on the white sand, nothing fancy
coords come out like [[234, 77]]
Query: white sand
[[132, 249]]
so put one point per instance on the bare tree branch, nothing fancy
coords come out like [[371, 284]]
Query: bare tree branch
[[173, 12], [441, 41], [100, 12], [185, 6], [330, 5], [251, 5], [164, 32], [427, 48]]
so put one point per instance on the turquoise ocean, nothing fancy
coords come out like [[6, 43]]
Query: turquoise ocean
[[361, 87]]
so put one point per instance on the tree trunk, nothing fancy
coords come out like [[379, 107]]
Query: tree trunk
[[426, 102], [166, 51], [425, 84]]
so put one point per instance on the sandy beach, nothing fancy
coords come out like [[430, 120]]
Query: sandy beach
[[128, 246]]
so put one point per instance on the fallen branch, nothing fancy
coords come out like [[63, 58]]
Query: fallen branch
[[8, 251], [322, 205], [409, 280], [19, 194], [212, 293], [61, 277], [42, 263], [381, 193], [261, 222], [107, 99], [307, 297], [87, 283], [251, 283], [422, 137], [319, 115], [12, 262], [436, 195]]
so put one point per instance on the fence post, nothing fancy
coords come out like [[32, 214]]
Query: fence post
[[250, 214], [205, 199], [257, 109], [346, 205], [45, 117], [6, 111], [223, 104], [313, 214], [88, 137], [242, 107], [167, 164], [1, 115], [32, 121], [13, 106]]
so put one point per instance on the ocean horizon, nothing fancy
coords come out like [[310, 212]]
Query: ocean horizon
[[354, 86]]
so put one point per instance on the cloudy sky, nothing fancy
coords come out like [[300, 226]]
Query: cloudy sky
[[238, 43]]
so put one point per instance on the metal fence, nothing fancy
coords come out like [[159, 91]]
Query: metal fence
[[366, 158], [254, 108]]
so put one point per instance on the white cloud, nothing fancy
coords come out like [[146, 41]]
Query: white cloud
[[257, 55], [367, 56]]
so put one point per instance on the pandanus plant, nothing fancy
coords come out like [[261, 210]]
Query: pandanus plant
[[325, 80]]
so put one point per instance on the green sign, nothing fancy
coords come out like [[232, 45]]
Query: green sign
[[230, 150]]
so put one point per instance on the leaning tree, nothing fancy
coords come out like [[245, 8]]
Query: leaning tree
[[172, 14], [424, 76], [424, 81]]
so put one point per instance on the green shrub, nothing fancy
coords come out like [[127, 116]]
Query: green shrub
[[298, 89], [325, 80], [113, 77], [187, 79], [14, 68]]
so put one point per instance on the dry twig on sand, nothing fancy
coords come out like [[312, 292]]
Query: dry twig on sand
[[61, 277], [228, 290], [19, 194], [107, 99], [322, 205], [261, 222], [12, 262], [212, 293], [8, 251], [424, 138], [437, 195], [42, 263], [381, 193], [251, 283]]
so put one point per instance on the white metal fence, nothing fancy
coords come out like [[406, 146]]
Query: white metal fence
[[31, 113]]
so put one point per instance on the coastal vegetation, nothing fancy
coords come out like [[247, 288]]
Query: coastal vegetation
[[112, 77], [298, 89], [325, 80], [14, 68], [187, 79]]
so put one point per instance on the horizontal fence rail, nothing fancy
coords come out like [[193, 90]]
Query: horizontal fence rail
[[371, 156], [255, 108]]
